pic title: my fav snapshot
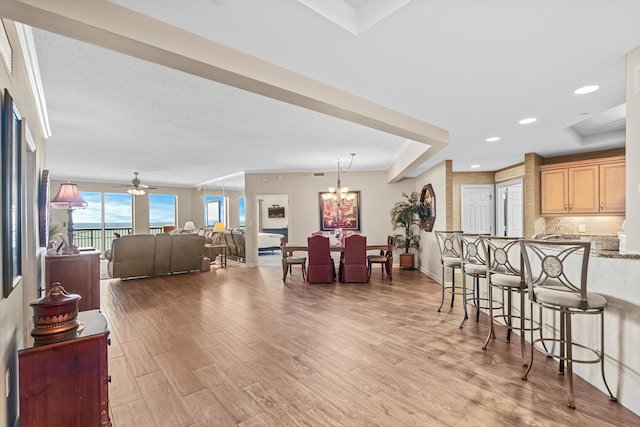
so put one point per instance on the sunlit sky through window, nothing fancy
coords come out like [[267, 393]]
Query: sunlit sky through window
[[118, 210]]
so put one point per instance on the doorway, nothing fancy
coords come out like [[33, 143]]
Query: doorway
[[509, 209], [477, 212], [273, 220]]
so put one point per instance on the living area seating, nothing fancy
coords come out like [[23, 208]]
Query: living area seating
[[148, 255]]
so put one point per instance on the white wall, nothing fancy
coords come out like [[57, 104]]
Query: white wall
[[632, 226], [376, 199], [15, 313]]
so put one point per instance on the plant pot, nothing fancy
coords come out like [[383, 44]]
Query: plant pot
[[406, 261]]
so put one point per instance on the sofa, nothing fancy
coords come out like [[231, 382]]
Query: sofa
[[149, 255]]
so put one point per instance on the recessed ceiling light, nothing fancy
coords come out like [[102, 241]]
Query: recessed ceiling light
[[493, 139], [586, 89], [475, 166], [528, 121]]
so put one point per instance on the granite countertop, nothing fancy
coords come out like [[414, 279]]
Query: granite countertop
[[603, 246]]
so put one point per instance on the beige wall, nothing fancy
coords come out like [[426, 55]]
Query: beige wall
[[429, 255], [15, 313], [465, 178], [302, 189]]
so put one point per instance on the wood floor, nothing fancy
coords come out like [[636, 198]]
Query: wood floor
[[236, 346]]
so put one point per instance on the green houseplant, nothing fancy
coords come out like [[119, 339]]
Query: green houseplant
[[408, 215]]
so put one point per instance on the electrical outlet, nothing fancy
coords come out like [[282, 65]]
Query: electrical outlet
[[582, 228]]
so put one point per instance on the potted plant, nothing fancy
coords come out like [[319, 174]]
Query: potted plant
[[408, 215]]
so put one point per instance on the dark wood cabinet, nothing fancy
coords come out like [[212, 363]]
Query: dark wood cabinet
[[67, 383], [78, 274]]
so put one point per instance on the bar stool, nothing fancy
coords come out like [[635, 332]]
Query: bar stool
[[556, 276], [505, 275], [473, 263], [450, 257]]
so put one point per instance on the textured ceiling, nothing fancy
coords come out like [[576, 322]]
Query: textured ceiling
[[473, 68]]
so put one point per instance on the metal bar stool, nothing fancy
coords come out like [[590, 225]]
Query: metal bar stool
[[450, 257], [473, 263], [505, 275], [556, 276]]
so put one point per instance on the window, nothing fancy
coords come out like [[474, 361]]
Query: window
[[242, 212], [214, 210], [162, 211], [106, 214]]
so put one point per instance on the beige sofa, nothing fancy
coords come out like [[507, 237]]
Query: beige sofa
[[148, 255]]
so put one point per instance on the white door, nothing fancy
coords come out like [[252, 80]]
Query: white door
[[509, 209], [477, 209]]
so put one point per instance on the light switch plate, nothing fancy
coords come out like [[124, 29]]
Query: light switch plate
[[582, 228]]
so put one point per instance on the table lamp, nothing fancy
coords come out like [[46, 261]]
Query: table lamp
[[219, 227], [69, 198], [189, 225]]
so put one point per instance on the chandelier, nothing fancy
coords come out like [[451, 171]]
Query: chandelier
[[339, 193]]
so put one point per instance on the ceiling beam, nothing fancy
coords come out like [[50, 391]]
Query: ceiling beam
[[112, 26]]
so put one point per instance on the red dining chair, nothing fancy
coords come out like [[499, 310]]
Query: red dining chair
[[353, 262], [320, 268]]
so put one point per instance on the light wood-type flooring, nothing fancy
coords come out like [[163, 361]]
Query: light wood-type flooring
[[236, 346]]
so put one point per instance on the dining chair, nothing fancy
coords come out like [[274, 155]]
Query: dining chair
[[555, 273], [384, 259], [450, 258], [320, 267], [289, 260], [473, 263], [353, 261]]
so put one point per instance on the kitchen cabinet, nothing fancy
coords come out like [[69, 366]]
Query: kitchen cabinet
[[67, 383], [584, 187]]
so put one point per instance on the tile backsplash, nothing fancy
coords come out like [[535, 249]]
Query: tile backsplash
[[592, 225]]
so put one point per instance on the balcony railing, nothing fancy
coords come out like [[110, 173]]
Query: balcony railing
[[98, 238]]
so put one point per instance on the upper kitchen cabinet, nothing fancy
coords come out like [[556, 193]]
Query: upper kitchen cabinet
[[584, 188]]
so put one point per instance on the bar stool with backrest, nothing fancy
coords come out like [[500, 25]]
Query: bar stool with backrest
[[505, 275], [556, 276], [382, 259], [473, 263], [289, 260], [450, 257]]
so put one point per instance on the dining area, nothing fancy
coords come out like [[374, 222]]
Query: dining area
[[356, 258]]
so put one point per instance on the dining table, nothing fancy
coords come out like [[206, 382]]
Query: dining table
[[295, 247]]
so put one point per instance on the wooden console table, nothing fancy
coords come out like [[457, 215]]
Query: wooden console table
[[78, 274], [67, 383]]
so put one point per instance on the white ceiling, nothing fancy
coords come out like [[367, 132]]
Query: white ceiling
[[472, 68]]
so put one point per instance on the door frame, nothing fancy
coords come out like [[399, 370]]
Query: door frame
[[492, 207], [499, 207]]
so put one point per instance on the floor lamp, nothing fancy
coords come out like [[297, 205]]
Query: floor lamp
[[69, 198]]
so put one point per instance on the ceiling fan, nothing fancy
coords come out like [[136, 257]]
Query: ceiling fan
[[137, 188]]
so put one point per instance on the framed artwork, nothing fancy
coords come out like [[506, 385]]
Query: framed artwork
[[11, 201], [340, 211], [276, 212]]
